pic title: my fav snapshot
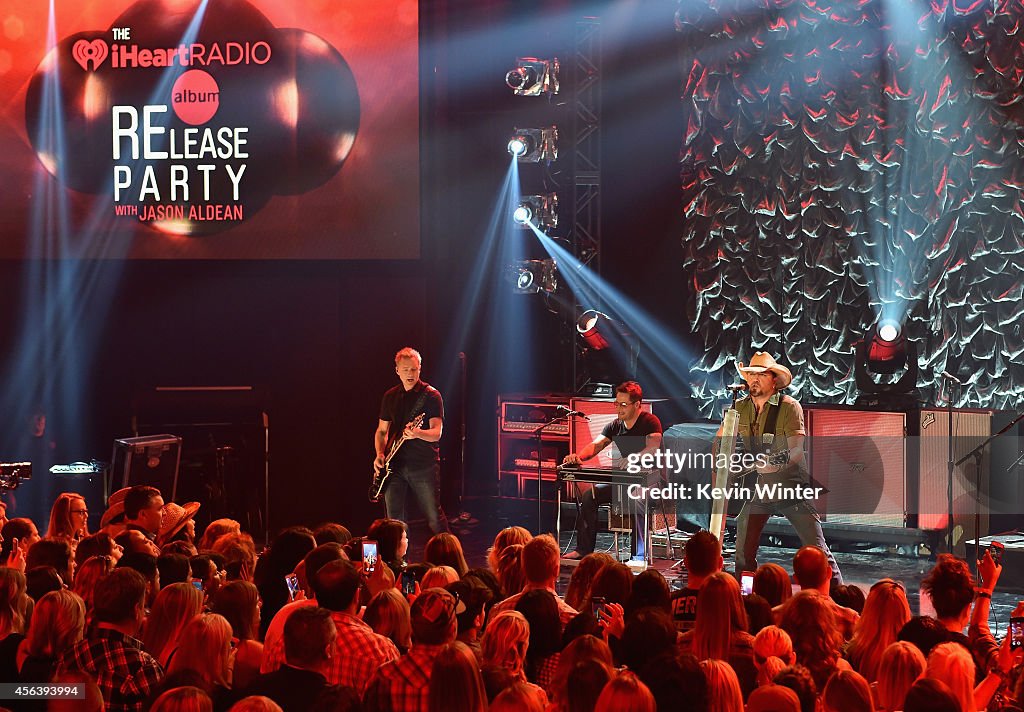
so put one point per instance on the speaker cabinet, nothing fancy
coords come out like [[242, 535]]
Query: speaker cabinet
[[860, 457], [970, 484]]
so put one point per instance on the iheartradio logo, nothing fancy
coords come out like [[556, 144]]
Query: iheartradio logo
[[85, 51]]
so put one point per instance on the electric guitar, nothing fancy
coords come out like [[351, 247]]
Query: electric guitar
[[380, 476], [779, 458]]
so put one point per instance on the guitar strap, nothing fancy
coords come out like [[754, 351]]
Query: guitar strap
[[417, 405], [768, 435]]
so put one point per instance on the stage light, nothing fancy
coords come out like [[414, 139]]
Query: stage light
[[886, 367], [589, 328], [533, 77], [533, 276], [541, 211], [888, 330], [611, 352], [534, 145]]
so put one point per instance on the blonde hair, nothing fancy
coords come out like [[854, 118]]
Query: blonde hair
[[60, 518], [58, 621], [215, 530], [771, 667], [408, 352], [183, 699], [438, 577], [205, 648], [506, 641], [721, 614], [902, 664], [14, 601], [506, 537], [625, 692], [847, 691], [952, 664], [88, 574], [510, 570], [724, 693], [455, 681], [885, 611], [773, 641], [388, 613], [174, 607], [520, 697], [255, 703]]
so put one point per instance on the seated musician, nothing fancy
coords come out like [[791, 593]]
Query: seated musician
[[633, 432]]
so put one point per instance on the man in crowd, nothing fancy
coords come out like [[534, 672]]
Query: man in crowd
[[702, 556], [124, 671], [540, 568], [143, 510]]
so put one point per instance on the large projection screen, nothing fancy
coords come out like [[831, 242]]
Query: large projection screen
[[223, 129]]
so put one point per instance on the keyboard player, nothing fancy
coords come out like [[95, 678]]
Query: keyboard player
[[633, 431]]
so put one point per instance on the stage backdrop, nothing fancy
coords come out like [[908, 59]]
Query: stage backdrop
[[843, 160], [222, 129]]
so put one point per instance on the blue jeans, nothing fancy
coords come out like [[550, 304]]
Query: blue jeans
[[424, 485], [800, 514]]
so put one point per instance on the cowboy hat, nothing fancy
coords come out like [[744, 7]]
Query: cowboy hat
[[762, 362], [115, 507], [175, 517]]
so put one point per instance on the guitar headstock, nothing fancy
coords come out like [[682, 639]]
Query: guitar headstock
[[417, 421]]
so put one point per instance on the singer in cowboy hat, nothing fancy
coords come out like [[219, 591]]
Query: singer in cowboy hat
[[772, 423]]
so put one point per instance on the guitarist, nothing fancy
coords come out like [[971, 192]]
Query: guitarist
[[771, 422], [416, 466]]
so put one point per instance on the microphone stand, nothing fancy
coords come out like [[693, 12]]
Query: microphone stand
[[949, 464], [977, 453], [538, 434]]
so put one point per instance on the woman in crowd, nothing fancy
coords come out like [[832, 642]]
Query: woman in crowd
[[205, 653], [88, 575], [927, 695], [69, 517], [586, 647], [772, 582], [392, 537], [952, 664], [886, 610], [98, 544], [847, 691], [720, 630], [625, 692], [58, 622], [239, 603], [506, 537], [650, 589], [582, 578], [772, 644], [444, 549], [520, 697], [14, 607], [174, 607], [455, 681], [389, 615], [901, 665], [57, 553], [586, 682], [724, 694], [505, 644], [183, 699], [811, 625], [510, 570], [613, 583], [288, 549], [215, 530], [438, 577]]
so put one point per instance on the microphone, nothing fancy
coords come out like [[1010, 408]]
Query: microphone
[[570, 412], [951, 377], [737, 387]]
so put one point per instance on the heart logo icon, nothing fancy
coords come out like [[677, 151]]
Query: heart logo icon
[[85, 51]]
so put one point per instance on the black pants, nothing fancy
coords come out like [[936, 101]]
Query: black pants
[[586, 529]]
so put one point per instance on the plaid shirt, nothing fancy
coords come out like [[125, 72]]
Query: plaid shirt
[[124, 671], [358, 653], [404, 684]]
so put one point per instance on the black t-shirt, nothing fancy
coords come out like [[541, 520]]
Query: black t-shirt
[[684, 608], [396, 408], [632, 440]]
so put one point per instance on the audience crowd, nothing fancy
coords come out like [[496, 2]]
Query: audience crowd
[[146, 615]]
